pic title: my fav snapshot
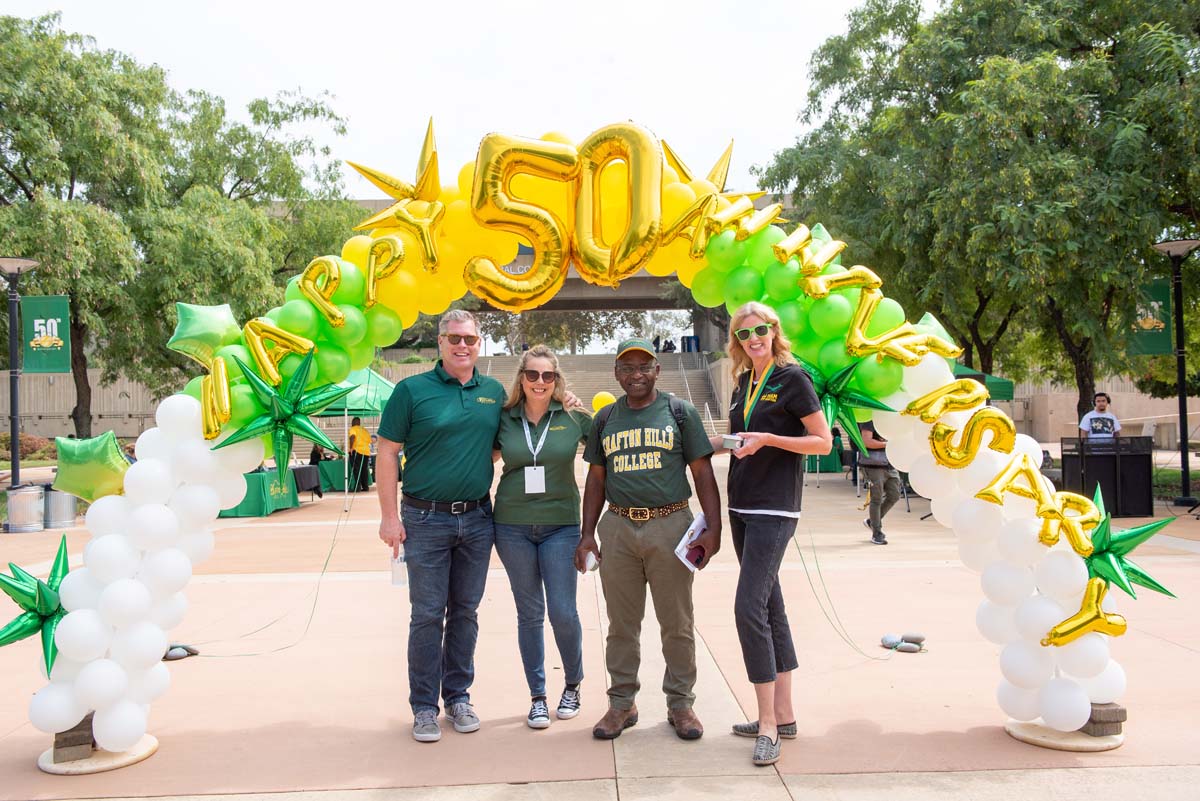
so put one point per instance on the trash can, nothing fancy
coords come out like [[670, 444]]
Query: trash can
[[60, 509], [25, 508]]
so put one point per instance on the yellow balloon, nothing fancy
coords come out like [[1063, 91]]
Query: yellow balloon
[[450, 194], [676, 199], [687, 269], [671, 258], [398, 292], [433, 297], [602, 399], [669, 175], [703, 187], [355, 250], [557, 136], [466, 179]]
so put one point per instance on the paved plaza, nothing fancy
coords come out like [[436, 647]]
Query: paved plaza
[[300, 690]]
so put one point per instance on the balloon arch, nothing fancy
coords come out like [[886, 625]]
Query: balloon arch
[[618, 202]]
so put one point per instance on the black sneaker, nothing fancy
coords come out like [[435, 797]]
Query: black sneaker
[[568, 705], [879, 539], [539, 715], [867, 522]]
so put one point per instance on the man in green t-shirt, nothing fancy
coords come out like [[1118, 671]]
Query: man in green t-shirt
[[637, 452]]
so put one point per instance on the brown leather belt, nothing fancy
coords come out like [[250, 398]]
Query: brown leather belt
[[640, 514], [453, 507]]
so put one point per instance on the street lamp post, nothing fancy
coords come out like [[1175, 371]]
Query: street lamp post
[[13, 269], [1177, 250]]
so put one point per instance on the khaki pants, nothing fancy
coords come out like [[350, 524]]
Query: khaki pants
[[634, 555]]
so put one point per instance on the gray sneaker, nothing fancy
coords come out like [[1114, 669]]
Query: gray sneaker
[[766, 752], [426, 728], [463, 716], [786, 730]]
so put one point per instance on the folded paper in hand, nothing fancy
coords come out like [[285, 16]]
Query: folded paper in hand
[[698, 527]]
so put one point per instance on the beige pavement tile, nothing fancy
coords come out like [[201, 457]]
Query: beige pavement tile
[[765, 785], [604, 790]]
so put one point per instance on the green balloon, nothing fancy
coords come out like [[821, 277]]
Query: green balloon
[[791, 319], [333, 363], [383, 326], [362, 355], [90, 468], [352, 289], [243, 406], [808, 350], [299, 317], [833, 357], [830, 316], [292, 292], [290, 364], [760, 253], [193, 387], [862, 415], [268, 446], [708, 287], [230, 354], [851, 295], [878, 379], [888, 314], [351, 332], [742, 286], [724, 251], [273, 314], [782, 281]]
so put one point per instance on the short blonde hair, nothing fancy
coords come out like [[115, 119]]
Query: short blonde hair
[[781, 348], [516, 395], [457, 316]]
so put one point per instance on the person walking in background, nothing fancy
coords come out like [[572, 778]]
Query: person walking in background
[[360, 457], [777, 416], [883, 479], [1100, 423], [537, 524]]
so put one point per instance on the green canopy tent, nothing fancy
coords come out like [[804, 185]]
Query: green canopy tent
[[1000, 389], [370, 395]]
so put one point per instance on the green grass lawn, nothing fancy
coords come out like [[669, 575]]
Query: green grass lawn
[[1168, 482]]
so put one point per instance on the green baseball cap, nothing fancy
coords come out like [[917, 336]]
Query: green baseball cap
[[635, 344]]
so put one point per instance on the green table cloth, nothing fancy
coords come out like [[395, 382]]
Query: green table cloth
[[333, 474], [265, 493]]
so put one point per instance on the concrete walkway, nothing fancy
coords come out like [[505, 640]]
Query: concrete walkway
[[300, 690]]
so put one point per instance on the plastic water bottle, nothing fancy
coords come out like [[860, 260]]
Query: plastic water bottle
[[399, 570]]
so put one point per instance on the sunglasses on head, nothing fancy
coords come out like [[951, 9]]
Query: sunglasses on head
[[759, 331], [458, 339], [548, 377]]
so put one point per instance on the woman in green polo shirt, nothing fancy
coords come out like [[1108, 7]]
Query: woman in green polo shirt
[[537, 523]]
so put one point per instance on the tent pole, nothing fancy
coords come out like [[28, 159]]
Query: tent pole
[[346, 459]]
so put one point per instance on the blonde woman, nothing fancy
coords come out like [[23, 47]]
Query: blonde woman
[[537, 523], [777, 415]]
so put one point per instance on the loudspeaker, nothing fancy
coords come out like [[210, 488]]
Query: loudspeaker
[[1123, 469]]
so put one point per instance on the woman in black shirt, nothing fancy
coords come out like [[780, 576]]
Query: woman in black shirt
[[777, 415]]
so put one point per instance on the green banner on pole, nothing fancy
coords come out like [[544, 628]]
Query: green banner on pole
[[1151, 331], [46, 340]]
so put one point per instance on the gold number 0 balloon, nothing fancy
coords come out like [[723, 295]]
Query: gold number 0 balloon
[[500, 158], [637, 147]]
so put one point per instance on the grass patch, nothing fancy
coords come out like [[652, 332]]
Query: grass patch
[[1167, 482]]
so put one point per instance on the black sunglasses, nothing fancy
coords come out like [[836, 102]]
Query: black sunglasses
[[548, 377], [458, 339], [759, 330]]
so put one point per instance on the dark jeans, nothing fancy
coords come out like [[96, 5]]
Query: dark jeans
[[360, 473], [760, 542], [885, 491], [447, 557], [538, 557]]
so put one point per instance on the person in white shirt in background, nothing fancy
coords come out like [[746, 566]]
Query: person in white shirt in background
[[1100, 423]]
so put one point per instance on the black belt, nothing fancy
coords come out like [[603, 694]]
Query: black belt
[[453, 507]]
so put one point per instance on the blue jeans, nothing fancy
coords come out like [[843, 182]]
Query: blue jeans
[[537, 557], [447, 558]]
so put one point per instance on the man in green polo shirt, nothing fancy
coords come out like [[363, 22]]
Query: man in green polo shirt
[[637, 453], [445, 420]]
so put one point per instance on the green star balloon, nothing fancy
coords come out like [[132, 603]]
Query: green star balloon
[[40, 604], [90, 468], [839, 403], [1111, 547], [287, 411], [202, 330]]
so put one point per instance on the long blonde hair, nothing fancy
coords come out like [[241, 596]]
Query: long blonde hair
[[516, 395], [781, 348]]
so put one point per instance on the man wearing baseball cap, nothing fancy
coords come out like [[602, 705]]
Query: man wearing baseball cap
[[637, 451]]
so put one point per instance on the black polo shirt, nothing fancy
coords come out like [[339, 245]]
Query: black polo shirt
[[772, 479]]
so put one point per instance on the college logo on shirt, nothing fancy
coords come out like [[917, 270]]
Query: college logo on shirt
[[482, 399], [558, 428], [661, 439]]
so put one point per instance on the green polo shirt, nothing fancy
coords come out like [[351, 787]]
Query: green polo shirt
[[447, 429], [645, 455], [559, 504]]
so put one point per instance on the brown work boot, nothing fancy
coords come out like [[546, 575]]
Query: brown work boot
[[686, 724], [614, 722]]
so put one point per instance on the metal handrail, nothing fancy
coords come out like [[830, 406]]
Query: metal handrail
[[687, 386]]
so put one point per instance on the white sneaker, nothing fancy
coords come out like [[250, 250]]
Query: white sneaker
[[539, 715]]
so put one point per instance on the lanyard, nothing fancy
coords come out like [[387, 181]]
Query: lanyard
[[529, 439], [753, 393]]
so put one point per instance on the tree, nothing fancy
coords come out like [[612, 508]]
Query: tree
[[1007, 165], [561, 330]]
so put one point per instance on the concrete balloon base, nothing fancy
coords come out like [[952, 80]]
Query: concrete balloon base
[[1036, 733]]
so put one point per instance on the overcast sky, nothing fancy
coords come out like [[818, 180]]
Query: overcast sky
[[696, 73]]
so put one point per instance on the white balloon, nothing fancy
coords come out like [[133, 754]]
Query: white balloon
[[124, 602], [196, 505], [178, 417], [943, 508], [1061, 574], [1108, 686], [166, 572], [1064, 705], [64, 670], [892, 425], [120, 726], [168, 613], [1017, 507], [1018, 541], [995, 622], [902, 451], [111, 558], [155, 527], [100, 683], [54, 708], [108, 515], [83, 635], [926, 477], [977, 553], [139, 646], [1026, 665], [1029, 445], [197, 545], [79, 590], [976, 519], [1035, 617], [929, 374], [149, 481], [152, 444], [1086, 657], [194, 463], [148, 685], [1006, 584], [241, 457], [986, 465], [231, 489], [1017, 702]]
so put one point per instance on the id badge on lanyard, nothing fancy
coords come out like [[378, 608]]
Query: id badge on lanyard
[[535, 476]]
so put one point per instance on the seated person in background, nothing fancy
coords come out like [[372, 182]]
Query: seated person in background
[[1100, 423], [317, 455]]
